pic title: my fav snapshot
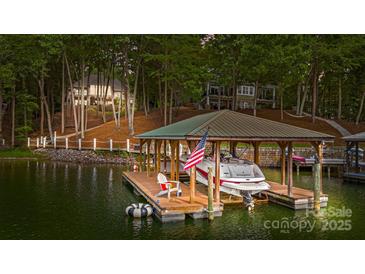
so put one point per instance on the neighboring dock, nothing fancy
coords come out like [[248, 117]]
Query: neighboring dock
[[174, 209]]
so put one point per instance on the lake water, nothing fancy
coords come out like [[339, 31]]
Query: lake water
[[48, 200]]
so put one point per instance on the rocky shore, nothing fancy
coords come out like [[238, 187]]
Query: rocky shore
[[83, 156]]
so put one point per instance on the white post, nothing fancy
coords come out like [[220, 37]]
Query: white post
[[44, 142], [79, 144], [55, 140], [66, 142], [128, 149], [41, 139], [111, 144], [37, 143], [94, 143], [146, 146], [28, 142], [3, 141]]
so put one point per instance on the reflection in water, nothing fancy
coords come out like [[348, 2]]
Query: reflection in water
[[88, 202]]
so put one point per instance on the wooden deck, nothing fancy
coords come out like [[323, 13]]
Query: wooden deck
[[174, 209], [300, 198]]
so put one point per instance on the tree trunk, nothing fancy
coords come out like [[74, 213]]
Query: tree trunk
[[165, 102], [97, 92], [299, 88], [1, 111], [219, 99], [63, 97], [303, 99], [131, 118], [170, 105], [314, 92], [360, 108], [46, 107], [42, 118], [82, 114], [339, 110], [144, 94], [255, 97], [160, 95], [13, 102], [72, 96], [281, 104]]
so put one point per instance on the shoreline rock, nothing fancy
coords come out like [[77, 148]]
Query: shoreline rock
[[83, 156]]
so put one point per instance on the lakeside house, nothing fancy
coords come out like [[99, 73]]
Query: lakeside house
[[96, 88], [221, 97]]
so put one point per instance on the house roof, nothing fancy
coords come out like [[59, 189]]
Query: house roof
[[231, 125], [118, 86], [359, 137]]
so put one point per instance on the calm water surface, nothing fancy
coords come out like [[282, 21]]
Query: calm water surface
[[47, 200]]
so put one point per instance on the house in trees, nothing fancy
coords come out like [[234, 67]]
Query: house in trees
[[99, 88], [222, 97]]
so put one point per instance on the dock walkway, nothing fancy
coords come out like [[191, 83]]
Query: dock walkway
[[174, 209]]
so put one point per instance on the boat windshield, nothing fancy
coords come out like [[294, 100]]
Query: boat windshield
[[242, 171]]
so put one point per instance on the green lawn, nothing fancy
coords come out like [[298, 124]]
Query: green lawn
[[18, 153]]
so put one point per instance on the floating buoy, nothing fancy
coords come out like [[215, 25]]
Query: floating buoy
[[139, 210]]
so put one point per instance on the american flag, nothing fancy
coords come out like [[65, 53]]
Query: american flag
[[197, 154]]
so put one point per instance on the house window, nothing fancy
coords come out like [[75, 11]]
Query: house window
[[214, 90], [246, 90]]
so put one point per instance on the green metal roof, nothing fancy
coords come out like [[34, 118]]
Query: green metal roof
[[231, 125], [359, 137]]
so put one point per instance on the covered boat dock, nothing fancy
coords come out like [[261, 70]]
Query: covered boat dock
[[354, 158], [228, 128]]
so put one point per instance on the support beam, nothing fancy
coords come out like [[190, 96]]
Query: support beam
[[282, 146], [318, 146], [172, 161], [357, 167], [290, 169], [177, 161], [158, 156], [164, 155], [217, 171], [148, 158], [256, 146], [141, 142]]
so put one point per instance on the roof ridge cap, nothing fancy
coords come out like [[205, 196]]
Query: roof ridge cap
[[218, 113]]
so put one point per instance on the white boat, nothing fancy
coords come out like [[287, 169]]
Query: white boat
[[238, 177]]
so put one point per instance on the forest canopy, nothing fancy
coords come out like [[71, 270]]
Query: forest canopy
[[320, 74]]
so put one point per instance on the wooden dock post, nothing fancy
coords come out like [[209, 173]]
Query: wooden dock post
[[66, 143], [256, 146], [44, 142], [282, 146], [210, 195], [148, 158], [217, 171], [141, 142], [164, 155], [37, 143], [192, 184], [172, 160], [290, 169], [79, 143], [158, 156], [177, 161], [317, 187], [28, 141]]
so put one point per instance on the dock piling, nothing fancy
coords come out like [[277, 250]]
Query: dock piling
[[210, 195], [317, 187]]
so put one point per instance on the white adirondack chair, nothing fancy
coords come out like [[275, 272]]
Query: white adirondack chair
[[167, 186]]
